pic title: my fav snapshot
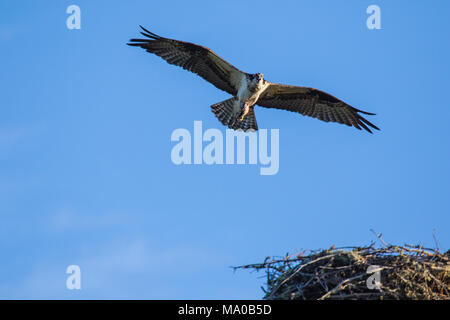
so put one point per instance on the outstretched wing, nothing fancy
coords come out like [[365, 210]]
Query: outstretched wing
[[194, 58], [314, 103]]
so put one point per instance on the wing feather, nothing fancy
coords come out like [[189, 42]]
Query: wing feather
[[314, 103], [195, 58]]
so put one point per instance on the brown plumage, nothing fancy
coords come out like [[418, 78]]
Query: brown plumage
[[250, 89], [197, 59], [313, 103]]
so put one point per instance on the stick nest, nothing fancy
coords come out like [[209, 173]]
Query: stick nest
[[363, 273]]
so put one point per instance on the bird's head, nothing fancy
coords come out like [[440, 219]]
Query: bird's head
[[258, 78]]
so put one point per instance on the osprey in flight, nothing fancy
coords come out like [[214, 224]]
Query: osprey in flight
[[248, 89]]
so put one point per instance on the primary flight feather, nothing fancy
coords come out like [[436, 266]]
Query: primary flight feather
[[248, 89]]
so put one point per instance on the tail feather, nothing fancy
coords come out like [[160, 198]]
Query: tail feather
[[224, 112]]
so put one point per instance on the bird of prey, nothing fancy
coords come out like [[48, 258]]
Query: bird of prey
[[249, 89]]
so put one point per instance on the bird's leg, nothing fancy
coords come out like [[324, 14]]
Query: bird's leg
[[244, 111]]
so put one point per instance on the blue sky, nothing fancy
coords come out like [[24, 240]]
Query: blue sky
[[85, 170]]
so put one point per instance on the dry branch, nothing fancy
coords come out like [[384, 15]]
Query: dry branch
[[407, 272]]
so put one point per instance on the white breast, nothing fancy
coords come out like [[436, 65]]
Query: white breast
[[243, 93]]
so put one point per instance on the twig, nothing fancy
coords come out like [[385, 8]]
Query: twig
[[435, 240], [338, 287], [380, 238]]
